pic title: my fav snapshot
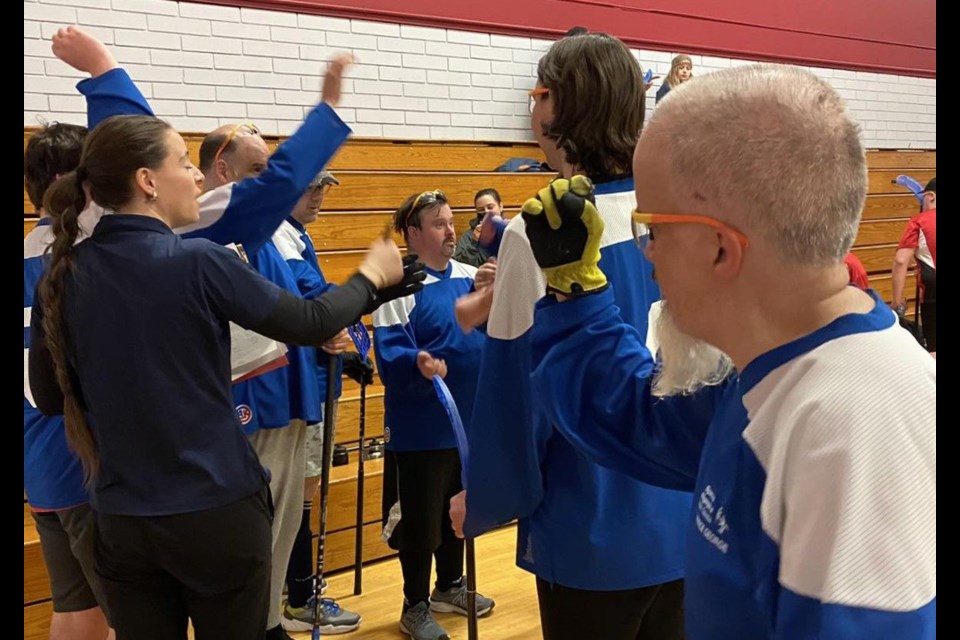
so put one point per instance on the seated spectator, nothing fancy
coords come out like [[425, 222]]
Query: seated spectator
[[919, 242], [681, 70], [469, 251]]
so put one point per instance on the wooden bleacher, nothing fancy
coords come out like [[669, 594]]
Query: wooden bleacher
[[376, 176]]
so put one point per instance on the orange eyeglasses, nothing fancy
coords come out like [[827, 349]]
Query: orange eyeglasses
[[246, 128], [647, 219], [533, 93]]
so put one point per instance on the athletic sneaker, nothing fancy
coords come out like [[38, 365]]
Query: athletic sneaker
[[418, 623], [333, 619], [454, 600]]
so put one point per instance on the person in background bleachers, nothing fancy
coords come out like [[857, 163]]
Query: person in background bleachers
[[919, 241], [52, 474], [469, 251], [681, 70]]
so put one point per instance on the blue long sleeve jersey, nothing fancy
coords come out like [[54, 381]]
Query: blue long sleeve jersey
[[52, 475], [414, 419], [581, 525], [272, 399], [296, 247], [814, 471]]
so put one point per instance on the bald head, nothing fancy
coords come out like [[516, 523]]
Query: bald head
[[244, 155], [769, 149]]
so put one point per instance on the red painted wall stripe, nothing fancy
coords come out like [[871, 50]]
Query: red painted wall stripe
[[887, 36]]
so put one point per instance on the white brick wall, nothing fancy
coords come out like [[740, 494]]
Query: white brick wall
[[204, 65]]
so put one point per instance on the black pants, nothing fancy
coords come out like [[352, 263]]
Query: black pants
[[928, 324], [211, 566], [649, 613], [301, 568], [423, 483], [928, 308]]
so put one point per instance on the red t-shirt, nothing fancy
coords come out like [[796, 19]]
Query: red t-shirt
[[921, 234], [858, 275]]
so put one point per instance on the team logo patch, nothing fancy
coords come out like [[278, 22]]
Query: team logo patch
[[245, 413], [386, 434]]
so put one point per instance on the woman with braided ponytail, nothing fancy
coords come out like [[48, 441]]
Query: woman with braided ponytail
[[131, 343], [52, 475], [67, 197]]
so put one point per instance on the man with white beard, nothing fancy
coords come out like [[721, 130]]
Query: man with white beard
[[812, 460], [685, 363]]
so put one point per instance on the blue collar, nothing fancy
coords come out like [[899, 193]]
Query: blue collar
[[614, 186], [877, 319], [440, 274], [45, 222]]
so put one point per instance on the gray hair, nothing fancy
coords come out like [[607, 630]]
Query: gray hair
[[774, 149]]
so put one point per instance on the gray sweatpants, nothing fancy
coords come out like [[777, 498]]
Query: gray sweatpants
[[282, 451]]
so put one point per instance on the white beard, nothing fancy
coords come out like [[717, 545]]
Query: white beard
[[686, 363]]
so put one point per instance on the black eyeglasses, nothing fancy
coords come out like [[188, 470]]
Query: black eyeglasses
[[425, 198]]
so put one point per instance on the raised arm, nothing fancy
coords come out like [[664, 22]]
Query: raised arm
[[592, 382], [109, 90], [250, 211], [592, 371]]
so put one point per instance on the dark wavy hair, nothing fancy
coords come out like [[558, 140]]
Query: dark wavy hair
[[52, 151], [598, 102]]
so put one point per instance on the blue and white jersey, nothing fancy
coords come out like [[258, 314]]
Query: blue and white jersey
[[414, 419], [814, 472], [271, 400], [581, 525], [246, 212], [52, 475], [296, 247]]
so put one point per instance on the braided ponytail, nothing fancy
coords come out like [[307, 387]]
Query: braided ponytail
[[64, 201], [112, 153]]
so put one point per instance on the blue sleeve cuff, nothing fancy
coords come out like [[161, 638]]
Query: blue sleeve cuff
[[112, 94]]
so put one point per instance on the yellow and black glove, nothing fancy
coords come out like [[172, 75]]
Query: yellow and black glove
[[564, 229]]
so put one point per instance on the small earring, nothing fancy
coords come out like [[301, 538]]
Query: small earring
[[152, 197]]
